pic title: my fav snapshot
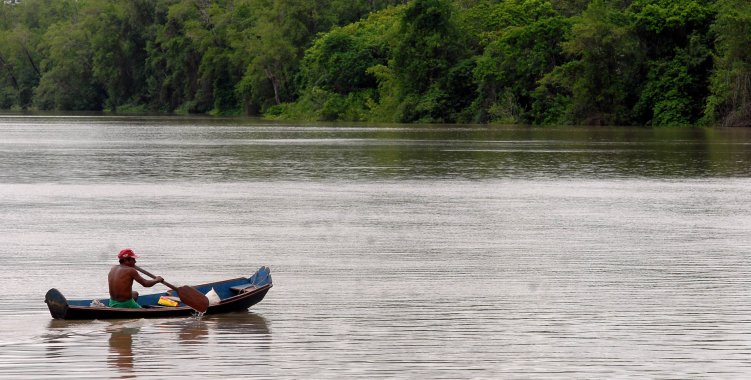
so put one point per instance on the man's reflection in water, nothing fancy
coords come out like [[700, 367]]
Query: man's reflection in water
[[121, 348]]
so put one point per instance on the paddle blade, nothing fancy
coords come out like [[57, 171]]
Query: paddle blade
[[193, 298]]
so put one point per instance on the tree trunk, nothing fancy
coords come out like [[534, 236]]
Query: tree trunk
[[274, 84], [10, 73]]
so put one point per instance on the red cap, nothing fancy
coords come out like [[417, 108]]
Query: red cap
[[125, 253]]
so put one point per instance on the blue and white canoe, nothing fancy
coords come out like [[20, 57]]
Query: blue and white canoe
[[235, 295]]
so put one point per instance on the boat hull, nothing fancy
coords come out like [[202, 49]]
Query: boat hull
[[236, 294]]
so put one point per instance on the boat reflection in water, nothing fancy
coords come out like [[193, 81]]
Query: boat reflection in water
[[142, 346], [121, 347]]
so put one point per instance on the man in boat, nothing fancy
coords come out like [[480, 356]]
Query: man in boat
[[121, 281]]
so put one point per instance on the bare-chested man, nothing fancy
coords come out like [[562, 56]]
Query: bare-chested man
[[121, 281]]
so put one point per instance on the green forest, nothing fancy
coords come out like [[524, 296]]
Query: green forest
[[538, 62]]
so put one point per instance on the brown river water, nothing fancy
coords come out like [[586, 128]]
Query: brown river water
[[396, 251]]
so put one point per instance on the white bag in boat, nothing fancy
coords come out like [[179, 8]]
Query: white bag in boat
[[213, 297]]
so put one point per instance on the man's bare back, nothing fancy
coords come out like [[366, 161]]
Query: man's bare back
[[121, 282], [121, 278]]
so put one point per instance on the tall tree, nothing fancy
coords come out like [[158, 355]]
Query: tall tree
[[119, 35], [730, 102], [675, 36], [22, 26], [276, 43], [430, 46], [67, 82], [172, 60], [605, 60], [521, 51], [338, 72]]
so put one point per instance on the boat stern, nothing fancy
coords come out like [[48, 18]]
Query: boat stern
[[57, 303]]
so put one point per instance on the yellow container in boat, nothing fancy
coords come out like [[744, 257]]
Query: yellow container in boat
[[165, 301]]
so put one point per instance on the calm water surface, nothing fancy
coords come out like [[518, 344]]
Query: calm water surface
[[396, 252]]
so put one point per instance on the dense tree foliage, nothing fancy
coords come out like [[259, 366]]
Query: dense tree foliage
[[730, 99], [622, 62]]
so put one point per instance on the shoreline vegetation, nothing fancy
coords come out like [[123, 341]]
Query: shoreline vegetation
[[535, 62]]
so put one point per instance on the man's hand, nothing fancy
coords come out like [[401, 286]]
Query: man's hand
[[159, 279]]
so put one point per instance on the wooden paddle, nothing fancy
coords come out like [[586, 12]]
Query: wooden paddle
[[187, 294]]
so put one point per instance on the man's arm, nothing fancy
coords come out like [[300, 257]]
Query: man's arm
[[145, 282]]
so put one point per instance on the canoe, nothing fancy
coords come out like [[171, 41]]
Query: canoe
[[235, 294]]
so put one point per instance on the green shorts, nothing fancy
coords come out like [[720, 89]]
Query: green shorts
[[129, 304]]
